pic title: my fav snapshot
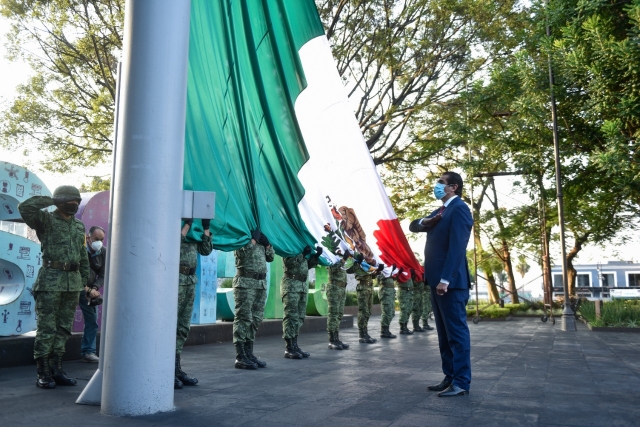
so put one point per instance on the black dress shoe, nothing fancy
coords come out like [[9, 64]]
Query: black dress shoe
[[452, 391], [439, 387]]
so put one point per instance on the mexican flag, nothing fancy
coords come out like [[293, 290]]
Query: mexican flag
[[270, 130]]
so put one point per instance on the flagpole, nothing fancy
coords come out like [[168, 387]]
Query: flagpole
[[140, 333]]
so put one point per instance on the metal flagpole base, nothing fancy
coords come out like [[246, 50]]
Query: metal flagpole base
[[92, 393], [568, 322]]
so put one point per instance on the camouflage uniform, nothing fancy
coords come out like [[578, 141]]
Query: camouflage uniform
[[387, 294], [364, 291], [426, 306], [294, 291], [416, 311], [187, 285], [405, 300], [336, 295], [249, 292], [55, 290]]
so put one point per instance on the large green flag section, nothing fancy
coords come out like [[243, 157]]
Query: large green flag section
[[242, 138]]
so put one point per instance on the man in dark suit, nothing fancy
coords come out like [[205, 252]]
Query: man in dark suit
[[447, 274]]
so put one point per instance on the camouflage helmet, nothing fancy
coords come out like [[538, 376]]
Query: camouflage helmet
[[67, 192]]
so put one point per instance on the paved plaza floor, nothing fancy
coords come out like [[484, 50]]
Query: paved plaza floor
[[525, 372]]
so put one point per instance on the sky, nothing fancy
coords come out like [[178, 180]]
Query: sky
[[15, 73]]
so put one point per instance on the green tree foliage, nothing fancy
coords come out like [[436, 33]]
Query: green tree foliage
[[97, 184], [65, 109], [522, 267], [400, 58], [596, 46]]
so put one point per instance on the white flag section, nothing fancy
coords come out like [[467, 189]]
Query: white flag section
[[343, 188]]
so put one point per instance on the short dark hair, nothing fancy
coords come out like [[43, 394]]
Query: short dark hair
[[454, 178], [96, 227]]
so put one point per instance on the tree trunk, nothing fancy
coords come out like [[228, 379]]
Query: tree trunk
[[571, 271], [483, 263], [506, 253], [492, 288]]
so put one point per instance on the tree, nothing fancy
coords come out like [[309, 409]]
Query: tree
[[595, 45], [400, 58], [522, 267], [97, 184], [65, 110]]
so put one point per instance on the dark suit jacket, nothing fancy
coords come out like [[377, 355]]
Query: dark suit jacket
[[445, 253]]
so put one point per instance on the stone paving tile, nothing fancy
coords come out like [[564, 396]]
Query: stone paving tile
[[525, 373]]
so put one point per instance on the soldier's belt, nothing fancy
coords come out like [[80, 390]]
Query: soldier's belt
[[405, 288], [299, 277], [65, 266], [252, 275], [340, 284], [363, 283], [188, 271], [389, 286]]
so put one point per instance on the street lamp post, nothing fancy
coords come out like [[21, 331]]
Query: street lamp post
[[568, 319]]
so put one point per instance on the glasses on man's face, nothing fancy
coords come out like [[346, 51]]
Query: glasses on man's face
[[441, 181]]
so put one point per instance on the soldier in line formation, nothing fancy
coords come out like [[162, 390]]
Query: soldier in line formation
[[294, 292], [336, 295], [64, 273], [387, 295], [187, 279]]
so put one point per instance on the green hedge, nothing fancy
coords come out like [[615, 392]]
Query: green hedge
[[493, 312], [616, 313]]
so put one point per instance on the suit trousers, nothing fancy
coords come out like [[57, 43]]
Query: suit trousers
[[450, 315]]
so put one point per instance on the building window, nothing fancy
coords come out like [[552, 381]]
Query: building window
[[608, 280], [633, 279], [582, 280], [557, 280]]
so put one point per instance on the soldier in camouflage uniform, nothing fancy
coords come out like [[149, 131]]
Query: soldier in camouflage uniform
[[294, 291], [418, 294], [405, 300], [426, 308], [387, 295], [64, 272], [364, 291], [336, 296], [250, 295], [187, 280]]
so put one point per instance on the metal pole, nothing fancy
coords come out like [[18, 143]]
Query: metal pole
[[568, 319], [92, 393], [140, 334]]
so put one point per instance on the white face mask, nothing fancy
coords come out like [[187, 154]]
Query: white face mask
[[96, 246]]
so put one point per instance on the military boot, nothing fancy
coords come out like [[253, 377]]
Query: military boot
[[362, 336], [365, 338], [248, 346], [366, 333], [416, 326], [426, 326], [182, 375], [44, 373], [333, 345], [58, 374], [386, 333], [177, 384], [242, 362], [298, 349], [404, 330], [290, 351], [344, 346]]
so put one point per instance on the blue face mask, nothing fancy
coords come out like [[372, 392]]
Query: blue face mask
[[438, 191]]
